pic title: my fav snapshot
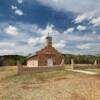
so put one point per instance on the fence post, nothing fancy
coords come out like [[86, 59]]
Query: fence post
[[19, 67], [95, 62], [72, 63], [62, 62]]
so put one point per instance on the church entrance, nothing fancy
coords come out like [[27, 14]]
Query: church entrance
[[50, 62]]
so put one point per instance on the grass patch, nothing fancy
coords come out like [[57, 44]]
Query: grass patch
[[10, 74], [7, 68], [38, 76]]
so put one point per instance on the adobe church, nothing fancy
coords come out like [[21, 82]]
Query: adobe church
[[47, 56]]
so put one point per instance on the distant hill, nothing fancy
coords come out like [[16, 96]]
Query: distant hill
[[11, 60]]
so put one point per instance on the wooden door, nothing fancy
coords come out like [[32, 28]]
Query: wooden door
[[50, 62]]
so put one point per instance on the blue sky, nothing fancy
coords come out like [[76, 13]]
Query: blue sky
[[73, 24]]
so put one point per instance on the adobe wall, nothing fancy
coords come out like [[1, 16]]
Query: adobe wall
[[25, 70], [42, 58]]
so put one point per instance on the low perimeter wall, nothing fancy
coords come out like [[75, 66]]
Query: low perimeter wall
[[85, 66], [24, 70]]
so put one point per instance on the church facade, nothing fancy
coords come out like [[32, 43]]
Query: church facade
[[47, 56]]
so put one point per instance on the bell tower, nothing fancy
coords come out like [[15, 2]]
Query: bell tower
[[48, 40]]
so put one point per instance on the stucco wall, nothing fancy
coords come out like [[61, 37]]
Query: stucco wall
[[32, 63]]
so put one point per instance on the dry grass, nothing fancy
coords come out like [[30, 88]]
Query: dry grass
[[55, 85]]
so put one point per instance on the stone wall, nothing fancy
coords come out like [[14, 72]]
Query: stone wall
[[25, 70]]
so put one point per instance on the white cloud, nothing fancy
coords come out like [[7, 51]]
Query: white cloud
[[6, 52], [86, 9], [31, 35], [13, 7], [11, 30], [77, 38], [69, 30], [82, 38], [33, 41], [60, 45], [19, 12], [76, 6], [80, 18], [16, 10], [84, 46], [85, 16], [91, 46], [6, 44], [81, 28], [95, 21], [20, 1], [49, 30]]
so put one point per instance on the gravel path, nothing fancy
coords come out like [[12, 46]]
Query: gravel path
[[85, 72]]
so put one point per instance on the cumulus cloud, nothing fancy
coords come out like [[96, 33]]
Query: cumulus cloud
[[33, 41], [50, 29], [20, 1], [69, 30], [60, 45], [83, 46], [6, 44], [19, 12], [80, 18], [14, 7], [32, 38], [95, 21], [81, 28], [6, 52], [73, 5], [78, 38], [85, 16], [89, 46], [85, 9], [11, 30], [16, 10]]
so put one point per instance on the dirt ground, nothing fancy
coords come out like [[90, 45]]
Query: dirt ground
[[62, 85]]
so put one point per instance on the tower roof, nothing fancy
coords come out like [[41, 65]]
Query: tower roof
[[48, 40]]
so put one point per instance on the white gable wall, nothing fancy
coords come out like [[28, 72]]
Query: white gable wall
[[32, 63]]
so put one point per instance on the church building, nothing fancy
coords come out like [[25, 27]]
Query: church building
[[46, 57]]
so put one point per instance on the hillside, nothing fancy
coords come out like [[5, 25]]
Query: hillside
[[11, 60]]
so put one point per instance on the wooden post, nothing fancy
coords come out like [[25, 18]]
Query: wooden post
[[62, 62], [95, 62], [72, 63], [19, 67]]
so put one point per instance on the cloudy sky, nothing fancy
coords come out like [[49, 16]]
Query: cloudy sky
[[73, 24]]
